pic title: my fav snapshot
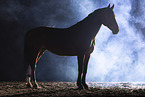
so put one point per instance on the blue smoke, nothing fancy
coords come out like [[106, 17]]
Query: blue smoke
[[119, 58], [116, 58]]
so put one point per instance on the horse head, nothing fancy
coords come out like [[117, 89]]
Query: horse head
[[109, 20]]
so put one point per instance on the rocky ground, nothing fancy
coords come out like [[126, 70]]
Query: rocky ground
[[49, 89]]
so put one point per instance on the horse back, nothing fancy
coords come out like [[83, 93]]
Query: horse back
[[64, 42]]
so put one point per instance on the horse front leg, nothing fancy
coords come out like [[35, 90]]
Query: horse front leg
[[80, 71], [86, 60]]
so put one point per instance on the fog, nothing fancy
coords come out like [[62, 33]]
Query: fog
[[120, 57], [116, 58]]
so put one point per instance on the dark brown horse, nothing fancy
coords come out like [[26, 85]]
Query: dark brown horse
[[77, 40]]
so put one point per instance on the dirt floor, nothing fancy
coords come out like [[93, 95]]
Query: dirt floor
[[49, 89]]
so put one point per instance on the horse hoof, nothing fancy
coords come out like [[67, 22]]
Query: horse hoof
[[29, 85], [36, 86], [80, 87], [85, 86]]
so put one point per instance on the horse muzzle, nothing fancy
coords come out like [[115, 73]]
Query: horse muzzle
[[115, 31]]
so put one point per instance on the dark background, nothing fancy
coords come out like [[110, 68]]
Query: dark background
[[19, 16]]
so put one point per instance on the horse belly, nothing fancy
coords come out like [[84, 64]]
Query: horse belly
[[63, 51], [61, 45]]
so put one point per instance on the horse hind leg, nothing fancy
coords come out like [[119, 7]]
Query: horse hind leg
[[30, 58], [41, 52], [28, 77], [35, 60], [27, 69], [27, 66], [33, 70], [30, 73]]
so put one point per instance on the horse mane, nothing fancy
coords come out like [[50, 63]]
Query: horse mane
[[94, 13], [97, 11]]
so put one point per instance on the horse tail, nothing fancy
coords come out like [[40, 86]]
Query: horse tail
[[26, 48], [26, 57]]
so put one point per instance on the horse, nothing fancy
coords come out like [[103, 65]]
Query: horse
[[76, 40]]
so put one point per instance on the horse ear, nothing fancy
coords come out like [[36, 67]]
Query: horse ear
[[112, 6], [109, 5]]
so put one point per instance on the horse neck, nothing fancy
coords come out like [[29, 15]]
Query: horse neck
[[90, 26]]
